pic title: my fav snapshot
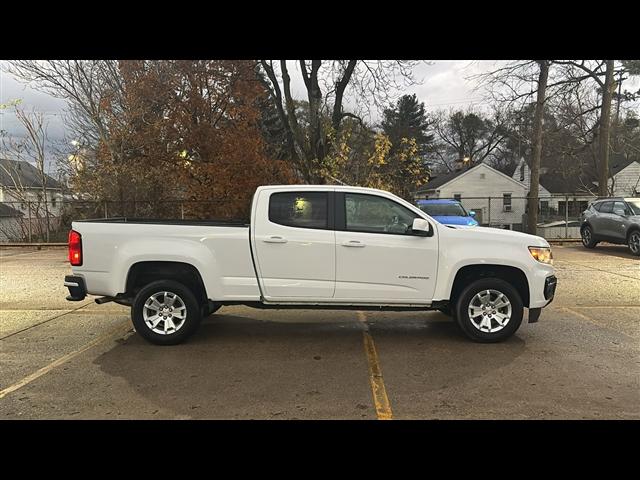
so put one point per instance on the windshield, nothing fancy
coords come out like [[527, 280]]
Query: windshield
[[635, 206], [444, 209]]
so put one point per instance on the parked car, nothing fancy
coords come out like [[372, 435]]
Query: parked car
[[614, 220], [329, 247], [448, 212]]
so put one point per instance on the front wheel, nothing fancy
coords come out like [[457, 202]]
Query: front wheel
[[489, 310], [165, 312], [634, 242]]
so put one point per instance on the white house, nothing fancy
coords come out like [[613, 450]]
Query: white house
[[473, 186], [578, 190], [22, 198], [555, 191], [625, 179]]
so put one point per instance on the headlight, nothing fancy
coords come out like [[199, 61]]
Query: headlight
[[542, 254]]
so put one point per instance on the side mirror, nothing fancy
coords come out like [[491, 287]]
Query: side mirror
[[421, 228], [472, 213]]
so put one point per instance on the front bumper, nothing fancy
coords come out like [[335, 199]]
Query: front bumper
[[77, 288], [550, 284]]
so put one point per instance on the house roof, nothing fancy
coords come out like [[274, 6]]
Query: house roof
[[24, 174], [441, 180], [587, 178], [9, 212], [619, 163]]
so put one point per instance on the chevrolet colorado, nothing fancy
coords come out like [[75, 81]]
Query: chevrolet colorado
[[329, 247]]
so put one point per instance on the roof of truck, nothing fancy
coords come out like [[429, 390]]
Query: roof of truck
[[323, 187]]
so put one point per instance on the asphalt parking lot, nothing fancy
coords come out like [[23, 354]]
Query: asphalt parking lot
[[63, 360]]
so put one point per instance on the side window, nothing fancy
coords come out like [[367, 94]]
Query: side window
[[620, 208], [607, 207], [299, 209], [370, 213]]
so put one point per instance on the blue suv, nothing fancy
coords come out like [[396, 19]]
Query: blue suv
[[448, 212]]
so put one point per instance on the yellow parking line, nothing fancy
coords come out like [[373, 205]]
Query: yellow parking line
[[44, 370], [380, 399]]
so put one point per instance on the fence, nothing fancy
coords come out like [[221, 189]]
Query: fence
[[558, 215], [32, 222], [558, 218]]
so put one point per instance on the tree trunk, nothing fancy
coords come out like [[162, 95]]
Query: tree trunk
[[534, 182], [605, 124]]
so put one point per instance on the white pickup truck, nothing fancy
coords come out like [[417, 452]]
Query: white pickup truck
[[328, 247]]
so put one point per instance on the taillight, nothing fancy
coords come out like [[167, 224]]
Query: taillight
[[75, 248]]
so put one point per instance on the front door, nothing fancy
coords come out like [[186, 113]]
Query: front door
[[378, 259], [295, 245]]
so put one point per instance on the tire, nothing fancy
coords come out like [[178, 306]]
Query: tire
[[587, 237], [634, 242], [166, 293], [477, 328]]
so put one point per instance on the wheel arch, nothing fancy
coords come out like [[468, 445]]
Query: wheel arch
[[144, 272], [586, 224], [632, 229], [470, 273]]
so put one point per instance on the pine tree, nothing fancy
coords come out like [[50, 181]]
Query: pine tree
[[407, 119]]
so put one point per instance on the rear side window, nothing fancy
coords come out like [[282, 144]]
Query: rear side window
[[607, 207], [299, 209]]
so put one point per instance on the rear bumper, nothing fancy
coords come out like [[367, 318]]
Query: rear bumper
[[77, 288]]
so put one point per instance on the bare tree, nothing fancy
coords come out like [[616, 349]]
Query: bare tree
[[89, 86], [467, 135], [326, 84], [534, 184], [31, 149]]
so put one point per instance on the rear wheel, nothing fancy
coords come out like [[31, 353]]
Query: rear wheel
[[165, 312], [634, 242], [587, 237], [489, 310]]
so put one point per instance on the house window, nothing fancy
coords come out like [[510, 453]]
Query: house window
[[522, 173], [53, 201], [457, 196], [506, 202], [544, 207]]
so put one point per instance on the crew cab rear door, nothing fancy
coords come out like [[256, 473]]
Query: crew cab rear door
[[294, 243]]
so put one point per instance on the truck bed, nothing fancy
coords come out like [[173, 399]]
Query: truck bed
[[220, 250]]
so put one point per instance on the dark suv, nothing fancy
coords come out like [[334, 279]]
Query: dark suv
[[614, 220]]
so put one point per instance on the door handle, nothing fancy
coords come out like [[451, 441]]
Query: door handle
[[353, 243], [274, 239]]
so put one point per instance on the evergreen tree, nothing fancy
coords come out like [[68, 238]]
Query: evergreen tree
[[407, 119]]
